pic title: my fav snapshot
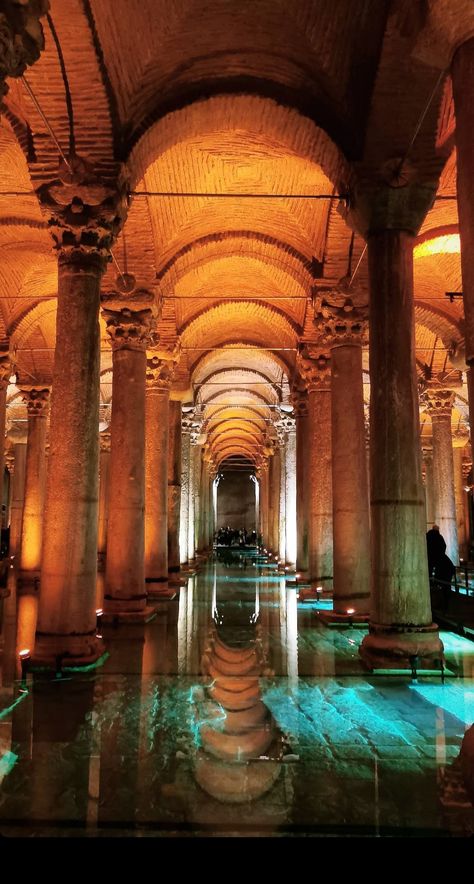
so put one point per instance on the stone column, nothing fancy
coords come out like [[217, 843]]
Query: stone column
[[125, 596], [299, 398], [193, 496], [85, 216], [344, 329], [274, 501], [264, 468], [104, 469], [17, 496], [5, 372], [466, 474], [184, 509], [37, 403], [439, 407], [290, 474], [460, 440], [159, 377], [429, 488], [315, 369], [401, 625], [282, 497], [174, 485], [462, 75]]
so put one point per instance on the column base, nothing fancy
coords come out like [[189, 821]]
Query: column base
[[28, 583], [54, 651], [335, 618], [160, 591], [398, 647], [118, 617]]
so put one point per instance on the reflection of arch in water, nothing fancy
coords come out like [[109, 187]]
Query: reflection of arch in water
[[241, 747]]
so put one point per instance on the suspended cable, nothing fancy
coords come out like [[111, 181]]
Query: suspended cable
[[45, 121]]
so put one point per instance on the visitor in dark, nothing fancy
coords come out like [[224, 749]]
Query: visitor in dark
[[436, 547]]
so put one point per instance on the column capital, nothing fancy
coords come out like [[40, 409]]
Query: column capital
[[159, 372], [36, 399], [5, 365], [85, 212], [394, 198], [439, 403], [466, 469], [10, 460], [130, 329], [104, 441], [460, 437], [338, 320], [21, 37], [314, 365], [299, 398]]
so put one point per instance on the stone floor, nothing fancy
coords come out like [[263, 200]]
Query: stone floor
[[115, 750]]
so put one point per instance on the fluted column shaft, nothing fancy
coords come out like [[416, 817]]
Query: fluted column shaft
[[125, 566], [37, 401], [174, 485], [440, 403]]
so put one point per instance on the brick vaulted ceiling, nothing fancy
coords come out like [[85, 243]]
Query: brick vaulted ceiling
[[228, 97]]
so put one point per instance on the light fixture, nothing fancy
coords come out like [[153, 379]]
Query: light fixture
[[286, 408], [25, 657], [98, 618], [12, 379]]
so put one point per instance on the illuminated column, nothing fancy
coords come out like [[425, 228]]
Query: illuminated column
[[184, 509], [193, 497], [125, 596], [439, 407], [462, 75], [37, 403], [275, 501], [174, 485], [401, 625], [429, 488], [315, 369], [282, 494], [104, 469], [290, 475], [84, 217], [344, 330], [5, 372], [159, 376], [299, 398], [264, 497], [17, 495], [460, 440], [467, 489], [197, 480]]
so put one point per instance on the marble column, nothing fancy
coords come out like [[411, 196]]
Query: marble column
[[193, 496], [125, 596], [439, 407], [299, 398], [282, 498], [174, 485], [274, 478], [159, 377], [104, 470], [401, 625], [85, 215], [37, 403], [460, 440], [344, 329], [315, 369], [184, 509], [429, 488], [290, 474], [462, 76], [5, 372], [17, 496], [467, 474]]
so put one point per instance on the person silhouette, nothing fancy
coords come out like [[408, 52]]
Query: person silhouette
[[436, 548]]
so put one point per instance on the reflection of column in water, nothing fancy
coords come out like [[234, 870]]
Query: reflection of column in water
[[182, 630], [440, 737], [283, 631], [292, 637], [234, 725], [189, 625]]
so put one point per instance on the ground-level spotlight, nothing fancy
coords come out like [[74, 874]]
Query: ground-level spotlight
[[98, 618], [25, 659], [350, 612]]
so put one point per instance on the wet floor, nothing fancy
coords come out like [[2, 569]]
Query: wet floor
[[236, 711]]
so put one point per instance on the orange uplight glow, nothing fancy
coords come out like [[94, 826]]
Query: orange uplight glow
[[351, 610], [447, 244], [24, 653]]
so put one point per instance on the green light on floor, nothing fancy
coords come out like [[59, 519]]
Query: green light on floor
[[7, 763], [5, 712]]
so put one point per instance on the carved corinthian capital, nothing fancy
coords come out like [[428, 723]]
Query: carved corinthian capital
[[339, 321], [130, 329], [85, 214], [439, 403], [37, 400], [21, 37], [159, 372], [314, 366]]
